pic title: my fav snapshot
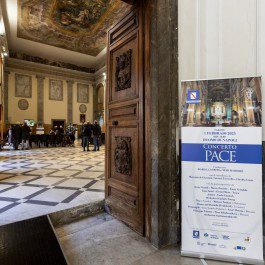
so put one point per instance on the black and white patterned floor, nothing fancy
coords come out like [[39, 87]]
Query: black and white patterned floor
[[40, 181]]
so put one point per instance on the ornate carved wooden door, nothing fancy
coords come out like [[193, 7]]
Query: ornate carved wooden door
[[124, 115]]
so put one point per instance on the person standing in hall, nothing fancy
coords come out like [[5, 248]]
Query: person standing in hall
[[10, 135], [25, 136], [70, 131], [82, 129], [96, 135], [17, 135], [87, 132]]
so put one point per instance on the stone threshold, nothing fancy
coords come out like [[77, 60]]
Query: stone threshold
[[74, 214]]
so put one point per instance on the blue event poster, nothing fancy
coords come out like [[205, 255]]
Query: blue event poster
[[221, 153]]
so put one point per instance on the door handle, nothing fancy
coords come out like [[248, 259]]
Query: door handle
[[115, 123]]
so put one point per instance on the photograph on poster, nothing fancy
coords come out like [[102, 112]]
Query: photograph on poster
[[222, 102]]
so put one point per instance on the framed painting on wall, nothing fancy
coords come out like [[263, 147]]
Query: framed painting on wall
[[82, 93], [23, 86], [56, 90]]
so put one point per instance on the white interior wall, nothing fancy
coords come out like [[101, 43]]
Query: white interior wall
[[222, 38]]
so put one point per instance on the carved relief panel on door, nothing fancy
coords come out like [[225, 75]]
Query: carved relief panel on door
[[123, 155], [124, 71], [124, 150]]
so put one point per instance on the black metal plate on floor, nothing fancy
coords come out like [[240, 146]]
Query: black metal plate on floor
[[30, 242]]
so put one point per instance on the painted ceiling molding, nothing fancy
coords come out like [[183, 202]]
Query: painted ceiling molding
[[35, 59], [77, 25]]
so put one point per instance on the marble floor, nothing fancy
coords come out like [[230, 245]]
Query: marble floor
[[103, 240], [40, 181]]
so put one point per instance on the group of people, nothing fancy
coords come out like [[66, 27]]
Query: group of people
[[21, 137], [18, 134], [87, 130], [58, 133]]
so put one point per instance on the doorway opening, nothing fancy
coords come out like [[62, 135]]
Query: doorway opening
[[58, 82], [58, 123]]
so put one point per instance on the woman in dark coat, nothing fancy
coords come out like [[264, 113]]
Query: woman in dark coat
[[17, 135], [25, 136]]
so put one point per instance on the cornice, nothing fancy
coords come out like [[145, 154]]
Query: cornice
[[48, 71]]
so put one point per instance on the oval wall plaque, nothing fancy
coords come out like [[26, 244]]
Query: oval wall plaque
[[83, 108], [23, 104]]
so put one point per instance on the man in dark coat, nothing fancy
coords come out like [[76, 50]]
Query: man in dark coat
[[25, 136], [82, 129], [87, 132], [96, 135], [17, 136]]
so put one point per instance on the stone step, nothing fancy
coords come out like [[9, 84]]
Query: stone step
[[76, 213]]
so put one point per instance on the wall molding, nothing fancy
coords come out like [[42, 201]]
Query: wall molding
[[49, 71]]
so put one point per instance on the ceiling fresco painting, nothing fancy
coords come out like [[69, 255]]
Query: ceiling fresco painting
[[77, 25]]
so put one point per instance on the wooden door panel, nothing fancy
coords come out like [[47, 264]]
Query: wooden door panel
[[124, 116], [124, 80], [126, 208], [124, 155], [128, 112], [124, 27]]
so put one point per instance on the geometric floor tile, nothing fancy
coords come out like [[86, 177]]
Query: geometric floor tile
[[56, 166], [98, 168], [36, 166], [4, 204], [18, 179], [44, 180], [78, 167], [98, 185], [20, 192], [76, 183], [4, 176], [17, 170], [40, 172], [89, 174], [64, 173], [54, 195], [5, 186], [47, 181]]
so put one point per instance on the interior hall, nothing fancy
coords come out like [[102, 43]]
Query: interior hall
[[53, 71], [131, 132]]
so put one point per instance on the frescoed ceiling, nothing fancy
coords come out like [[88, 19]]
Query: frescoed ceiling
[[77, 25], [219, 89]]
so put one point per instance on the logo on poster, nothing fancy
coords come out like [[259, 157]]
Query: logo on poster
[[239, 248], [196, 234], [193, 97]]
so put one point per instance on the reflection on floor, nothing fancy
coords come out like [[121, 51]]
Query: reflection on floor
[[102, 240], [41, 181]]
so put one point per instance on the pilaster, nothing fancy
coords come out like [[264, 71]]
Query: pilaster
[[70, 85], [95, 101], [6, 82], [40, 99]]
